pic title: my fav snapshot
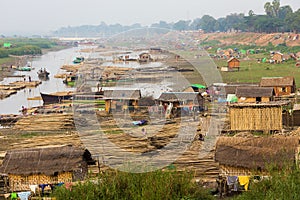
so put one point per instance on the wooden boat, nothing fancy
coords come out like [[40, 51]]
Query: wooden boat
[[43, 73], [78, 60], [59, 97], [24, 68], [56, 97], [70, 80]]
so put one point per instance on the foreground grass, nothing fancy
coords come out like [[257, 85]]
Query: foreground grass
[[282, 185], [122, 185]]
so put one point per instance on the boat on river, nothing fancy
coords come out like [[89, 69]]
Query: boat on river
[[43, 73], [57, 97], [78, 60], [70, 80]]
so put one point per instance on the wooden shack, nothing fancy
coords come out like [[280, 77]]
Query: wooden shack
[[282, 85], [255, 155], [120, 100], [254, 94], [256, 117], [182, 102], [252, 158], [291, 117], [233, 63], [277, 57], [51, 165]]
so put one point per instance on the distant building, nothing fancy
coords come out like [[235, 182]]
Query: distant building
[[120, 100], [233, 63], [277, 57], [254, 94], [282, 85]]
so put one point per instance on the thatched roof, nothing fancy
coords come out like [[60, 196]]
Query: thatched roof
[[44, 160], [256, 153], [277, 81], [179, 96], [122, 94], [254, 92]]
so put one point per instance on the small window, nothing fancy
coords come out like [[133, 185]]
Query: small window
[[258, 99], [283, 89]]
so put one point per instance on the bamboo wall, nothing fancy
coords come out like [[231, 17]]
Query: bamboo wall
[[253, 100], [21, 183], [248, 118]]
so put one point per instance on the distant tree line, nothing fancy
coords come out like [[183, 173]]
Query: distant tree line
[[276, 19]]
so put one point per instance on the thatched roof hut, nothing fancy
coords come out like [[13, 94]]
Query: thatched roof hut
[[254, 94], [178, 96], [256, 153], [121, 100], [48, 161], [233, 63], [282, 85], [256, 117]]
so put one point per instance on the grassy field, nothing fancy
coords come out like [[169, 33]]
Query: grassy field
[[4, 61], [251, 71]]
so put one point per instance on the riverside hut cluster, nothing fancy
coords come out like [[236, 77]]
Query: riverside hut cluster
[[128, 96]]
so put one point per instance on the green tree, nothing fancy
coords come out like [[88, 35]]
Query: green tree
[[182, 25], [293, 20], [208, 23], [272, 9], [268, 8], [284, 11]]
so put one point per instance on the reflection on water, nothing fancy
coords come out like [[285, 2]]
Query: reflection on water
[[52, 61]]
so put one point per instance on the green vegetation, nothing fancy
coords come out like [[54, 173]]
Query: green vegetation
[[251, 71], [150, 186], [282, 185], [24, 46]]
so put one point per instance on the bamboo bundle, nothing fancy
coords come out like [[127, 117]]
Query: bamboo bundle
[[51, 122]]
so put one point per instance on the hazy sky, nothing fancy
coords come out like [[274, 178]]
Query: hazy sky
[[43, 16]]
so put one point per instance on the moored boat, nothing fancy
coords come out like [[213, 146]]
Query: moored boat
[[56, 97], [70, 80], [43, 73], [78, 60]]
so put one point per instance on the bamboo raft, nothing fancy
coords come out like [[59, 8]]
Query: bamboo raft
[[6, 93], [26, 84]]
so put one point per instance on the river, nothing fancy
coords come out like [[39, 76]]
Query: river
[[52, 61]]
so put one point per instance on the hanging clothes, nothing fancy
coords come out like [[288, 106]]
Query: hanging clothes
[[13, 196], [33, 188], [233, 180], [244, 181], [24, 195]]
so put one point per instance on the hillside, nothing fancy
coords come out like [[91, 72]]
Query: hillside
[[247, 38]]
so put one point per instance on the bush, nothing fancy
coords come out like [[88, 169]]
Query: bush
[[151, 185]]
